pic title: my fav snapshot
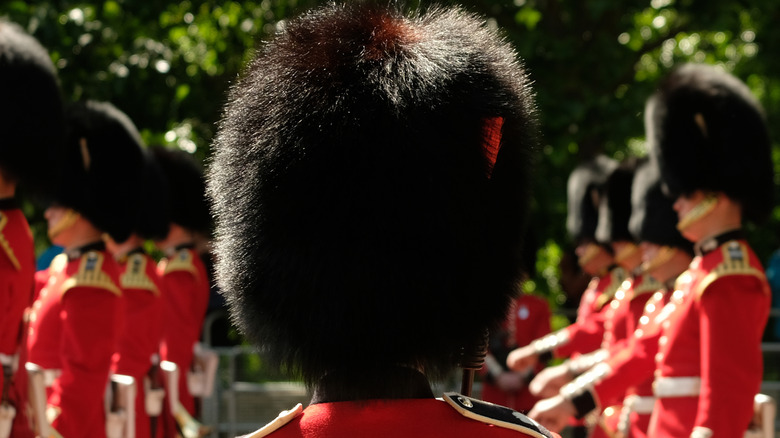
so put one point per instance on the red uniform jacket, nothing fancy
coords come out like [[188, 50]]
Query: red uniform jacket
[[17, 269], [629, 368], [624, 311], [716, 335], [140, 338], [621, 319], [587, 332], [81, 306], [408, 418], [186, 296], [528, 319]]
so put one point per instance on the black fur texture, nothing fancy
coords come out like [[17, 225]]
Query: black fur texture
[[100, 173], [584, 191], [615, 204], [186, 187], [357, 227], [652, 217], [709, 133], [31, 110], [152, 218]]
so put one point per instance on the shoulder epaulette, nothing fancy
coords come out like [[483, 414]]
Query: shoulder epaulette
[[618, 275], [646, 286], [181, 261], [135, 276], [5, 245], [496, 415], [283, 418], [736, 261], [90, 274]]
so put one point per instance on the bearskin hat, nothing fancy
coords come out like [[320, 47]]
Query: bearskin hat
[[103, 161], [31, 113], [652, 217], [584, 190], [615, 204], [152, 218], [186, 186], [709, 133], [370, 184]]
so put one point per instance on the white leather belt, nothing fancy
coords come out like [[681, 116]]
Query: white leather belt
[[638, 404], [677, 386]]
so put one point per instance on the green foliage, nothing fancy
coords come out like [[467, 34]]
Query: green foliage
[[168, 65]]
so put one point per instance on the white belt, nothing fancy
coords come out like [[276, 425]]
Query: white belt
[[638, 404], [677, 386]]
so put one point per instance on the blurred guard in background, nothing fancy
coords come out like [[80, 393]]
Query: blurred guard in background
[[32, 129], [620, 312], [139, 343], [710, 138], [76, 320], [586, 192], [185, 281], [627, 369], [370, 183]]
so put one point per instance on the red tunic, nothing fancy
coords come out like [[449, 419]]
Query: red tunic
[[624, 311], [629, 368], [620, 319], [407, 418], [82, 303], [528, 319], [17, 269], [185, 301], [587, 332], [140, 338], [716, 336]]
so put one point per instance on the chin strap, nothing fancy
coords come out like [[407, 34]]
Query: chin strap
[[472, 358], [701, 209], [67, 221]]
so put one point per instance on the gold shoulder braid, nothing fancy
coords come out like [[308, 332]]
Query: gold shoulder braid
[[7, 246], [735, 262], [90, 274], [618, 277], [181, 261], [135, 275], [648, 285]]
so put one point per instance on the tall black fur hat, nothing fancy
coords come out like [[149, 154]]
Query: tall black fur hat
[[584, 190], [153, 216], [652, 217], [31, 109], [103, 161], [709, 133], [186, 186], [370, 183], [615, 204]]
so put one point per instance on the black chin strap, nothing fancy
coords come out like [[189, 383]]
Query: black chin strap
[[471, 359]]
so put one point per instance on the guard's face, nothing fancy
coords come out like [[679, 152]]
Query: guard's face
[[691, 208], [60, 222]]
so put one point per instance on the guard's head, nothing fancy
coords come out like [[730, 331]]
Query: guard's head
[[614, 208], [31, 119], [585, 189], [186, 186], [102, 162], [151, 219], [370, 182], [652, 217], [709, 133]]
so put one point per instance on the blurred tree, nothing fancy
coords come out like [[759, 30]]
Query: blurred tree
[[168, 64]]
